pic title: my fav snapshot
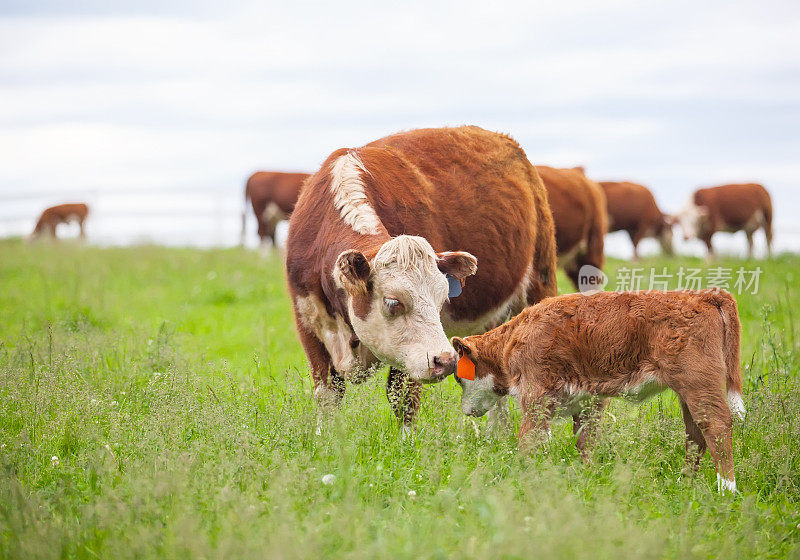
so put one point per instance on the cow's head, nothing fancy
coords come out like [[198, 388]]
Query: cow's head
[[665, 235], [692, 219], [395, 300], [478, 395]]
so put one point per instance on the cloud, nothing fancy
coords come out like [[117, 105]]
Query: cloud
[[138, 96]]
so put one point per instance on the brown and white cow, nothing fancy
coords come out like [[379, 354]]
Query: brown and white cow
[[633, 208], [272, 195], [579, 214], [561, 355], [729, 208], [52, 217], [376, 230]]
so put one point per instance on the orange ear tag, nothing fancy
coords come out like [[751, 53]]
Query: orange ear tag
[[465, 368]]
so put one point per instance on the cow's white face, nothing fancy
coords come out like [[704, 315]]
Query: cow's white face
[[691, 219], [395, 301]]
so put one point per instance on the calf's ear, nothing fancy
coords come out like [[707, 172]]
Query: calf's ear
[[464, 347], [457, 264], [352, 272]]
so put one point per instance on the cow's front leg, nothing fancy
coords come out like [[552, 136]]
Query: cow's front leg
[[328, 383], [404, 397]]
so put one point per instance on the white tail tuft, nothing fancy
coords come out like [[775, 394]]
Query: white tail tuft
[[736, 404], [725, 485]]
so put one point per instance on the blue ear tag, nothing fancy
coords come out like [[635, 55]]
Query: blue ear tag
[[454, 287]]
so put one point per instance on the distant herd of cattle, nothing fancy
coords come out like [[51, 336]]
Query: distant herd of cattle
[[583, 211], [452, 230]]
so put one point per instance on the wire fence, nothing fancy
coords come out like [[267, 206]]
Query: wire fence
[[211, 217]]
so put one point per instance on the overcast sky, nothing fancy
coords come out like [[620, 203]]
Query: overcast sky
[[97, 96]]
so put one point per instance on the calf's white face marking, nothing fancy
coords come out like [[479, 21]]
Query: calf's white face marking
[[478, 396], [406, 290]]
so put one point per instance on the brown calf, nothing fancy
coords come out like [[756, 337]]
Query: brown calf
[[728, 208], [557, 355], [579, 214], [61, 214], [633, 208], [384, 237], [272, 195]]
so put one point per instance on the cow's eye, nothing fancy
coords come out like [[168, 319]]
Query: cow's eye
[[393, 305]]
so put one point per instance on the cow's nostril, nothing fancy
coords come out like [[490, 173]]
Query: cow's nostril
[[444, 363]]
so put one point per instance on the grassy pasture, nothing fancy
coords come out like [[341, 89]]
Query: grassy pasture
[[155, 402]]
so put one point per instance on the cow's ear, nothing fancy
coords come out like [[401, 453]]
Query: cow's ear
[[465, 347], [352, 271], [457, 264]]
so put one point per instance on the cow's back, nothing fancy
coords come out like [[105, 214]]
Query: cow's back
[[630, 205], [468, 189], [733, 206], [282, 189], [462, 189], [578, 205]]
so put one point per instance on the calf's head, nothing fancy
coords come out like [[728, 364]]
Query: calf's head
[[395, 300], [478, 395]]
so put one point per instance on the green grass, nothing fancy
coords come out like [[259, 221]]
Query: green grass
[[171, 386]]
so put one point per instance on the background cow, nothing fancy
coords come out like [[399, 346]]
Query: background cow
[[633, 208], [272, 195], [729, 208], [61, 214], [373, 236], [579, 213]]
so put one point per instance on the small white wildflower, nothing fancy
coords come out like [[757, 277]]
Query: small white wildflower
[[528, 519], [328, 479], [2, 446], [123, 393], [114, 403], [93, 402], [562, 460], [370, 485], [54, 461], [412, 494]]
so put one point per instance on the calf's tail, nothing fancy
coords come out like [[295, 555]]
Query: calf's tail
[[731, 339]]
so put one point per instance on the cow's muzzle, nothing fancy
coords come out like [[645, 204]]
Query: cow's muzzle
[[443, 365]]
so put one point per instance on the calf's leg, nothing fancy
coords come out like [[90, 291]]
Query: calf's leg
[[537, 413], [695, 442], [584, 425], [711, 414]]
